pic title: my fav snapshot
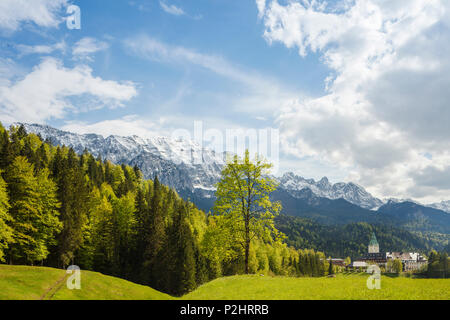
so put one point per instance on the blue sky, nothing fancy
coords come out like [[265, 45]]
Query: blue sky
[[352, 86], [227, 30]]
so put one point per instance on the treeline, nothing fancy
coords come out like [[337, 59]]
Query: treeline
[[438, 265], [350, 240], [58, 208]]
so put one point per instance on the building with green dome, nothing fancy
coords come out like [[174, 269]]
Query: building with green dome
[[410, 260], [374, 247]]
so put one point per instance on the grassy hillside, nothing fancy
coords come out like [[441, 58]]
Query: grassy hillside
[[342, 287], [34, 283]]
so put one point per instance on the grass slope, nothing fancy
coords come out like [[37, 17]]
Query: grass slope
[[34, 283], [343, 287]]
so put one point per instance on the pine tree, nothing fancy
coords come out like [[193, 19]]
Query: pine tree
[[137, 172], [141, 226], [433, 264], [330, 267], [6, 232], [183, 261], [42, 157], [73, 193], [155, 238], [6, 150], [123, 232]]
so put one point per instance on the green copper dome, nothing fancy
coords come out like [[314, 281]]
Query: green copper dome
[[373, 240]]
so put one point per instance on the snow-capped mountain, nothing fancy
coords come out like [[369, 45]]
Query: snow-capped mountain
[[183, 165], [444, 206], [397, 200], [351, 192], [189, 168]]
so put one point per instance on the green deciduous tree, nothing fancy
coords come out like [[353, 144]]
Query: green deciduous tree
[[347, 261], [243, 199], [397, 266], [34, 211]]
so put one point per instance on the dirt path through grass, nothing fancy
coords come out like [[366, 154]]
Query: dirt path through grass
[[50, 292]]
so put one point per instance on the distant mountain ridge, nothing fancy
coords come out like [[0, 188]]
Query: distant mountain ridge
[[417, 217], [351, 192]]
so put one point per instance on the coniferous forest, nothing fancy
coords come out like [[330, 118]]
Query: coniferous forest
[[58, 208]]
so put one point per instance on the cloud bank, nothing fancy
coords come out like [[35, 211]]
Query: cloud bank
[[44, 13], [47, 92], [384, 117]]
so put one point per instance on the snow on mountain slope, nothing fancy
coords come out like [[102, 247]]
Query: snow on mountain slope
[[349, 191], [444, 206]]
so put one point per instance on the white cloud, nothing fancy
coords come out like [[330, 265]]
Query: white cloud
[[171, 9], [261, 4], [41, 49], [152, 126], [49, 90], [386, 106], [44, 13], [262, 94], [87, 46], [125, 126], [155, 50]]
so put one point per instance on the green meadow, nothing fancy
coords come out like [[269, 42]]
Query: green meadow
[[343, 287], [37, 283]]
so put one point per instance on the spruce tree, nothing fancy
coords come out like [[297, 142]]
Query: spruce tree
[[6, 232], [155, 237], [6, 150], [73, 193], [182, 246]]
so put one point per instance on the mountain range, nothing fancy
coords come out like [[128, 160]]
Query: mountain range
[[193, 171], [351, 192], [444, 206]]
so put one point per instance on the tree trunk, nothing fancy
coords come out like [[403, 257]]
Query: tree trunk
[[247, 251], [247, 242]]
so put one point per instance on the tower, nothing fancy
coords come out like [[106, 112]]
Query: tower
[[373, 244]]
